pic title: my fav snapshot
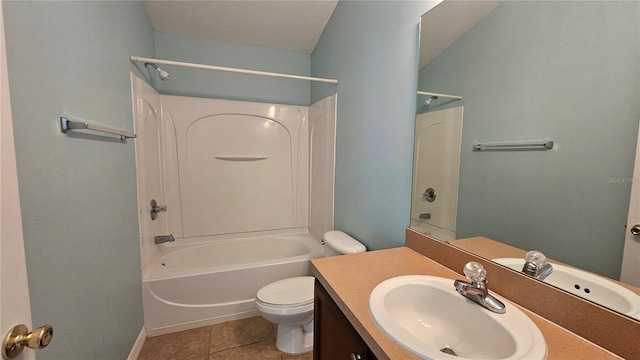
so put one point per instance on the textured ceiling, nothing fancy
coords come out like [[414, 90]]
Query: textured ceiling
[[289, 25]]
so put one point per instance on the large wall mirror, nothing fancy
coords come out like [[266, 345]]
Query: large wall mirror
[[537, 71]]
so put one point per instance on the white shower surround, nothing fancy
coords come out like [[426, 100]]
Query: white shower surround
[[241, 166], [228, 171]]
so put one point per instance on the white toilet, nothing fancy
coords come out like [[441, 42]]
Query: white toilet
[[288, 303]]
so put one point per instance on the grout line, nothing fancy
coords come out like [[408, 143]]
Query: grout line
[[236, 347]]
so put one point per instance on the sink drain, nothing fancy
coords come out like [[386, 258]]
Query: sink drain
[[448, 350]]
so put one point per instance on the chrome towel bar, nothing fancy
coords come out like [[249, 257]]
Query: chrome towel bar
[[529, 145], [66, 125]]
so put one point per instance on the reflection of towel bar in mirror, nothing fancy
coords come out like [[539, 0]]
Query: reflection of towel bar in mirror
[[66, 125], [530, 145], [241, 158]]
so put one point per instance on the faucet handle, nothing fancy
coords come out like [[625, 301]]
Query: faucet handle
[[535, 257], [475, 272]]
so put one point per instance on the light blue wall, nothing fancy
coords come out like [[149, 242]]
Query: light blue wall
[[564, 70], [371, 47], [78, 192], [232, 86]]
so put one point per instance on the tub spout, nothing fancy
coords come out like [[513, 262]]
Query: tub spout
[[163, 238]]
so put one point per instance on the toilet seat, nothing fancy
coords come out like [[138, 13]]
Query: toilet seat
[[290, 293]]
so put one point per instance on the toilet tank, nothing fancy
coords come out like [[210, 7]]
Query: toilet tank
[[339, 243]]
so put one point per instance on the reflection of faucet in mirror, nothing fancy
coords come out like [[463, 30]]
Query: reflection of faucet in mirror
[[525, 82], [536, 265], [477, 290]]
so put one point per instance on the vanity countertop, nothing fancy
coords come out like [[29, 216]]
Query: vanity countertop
[[349, 279]]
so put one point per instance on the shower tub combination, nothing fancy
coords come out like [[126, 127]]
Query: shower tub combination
[[198, 285], [248, 189]]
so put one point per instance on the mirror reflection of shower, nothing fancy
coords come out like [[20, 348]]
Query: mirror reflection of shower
[[436, 165], [435, 101], [427, 103]]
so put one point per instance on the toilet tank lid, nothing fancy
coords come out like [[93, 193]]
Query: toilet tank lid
[[343, 243]]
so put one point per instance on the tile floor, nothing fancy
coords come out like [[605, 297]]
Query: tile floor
[[251, 338]]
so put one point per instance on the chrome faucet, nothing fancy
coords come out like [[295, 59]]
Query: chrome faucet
[[163, 238], [536, 265], [477, 290]]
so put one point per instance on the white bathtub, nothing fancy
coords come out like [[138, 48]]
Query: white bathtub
[[208, 283]]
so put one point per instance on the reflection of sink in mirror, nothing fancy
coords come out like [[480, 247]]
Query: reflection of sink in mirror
[[425, 315], [588, 286]]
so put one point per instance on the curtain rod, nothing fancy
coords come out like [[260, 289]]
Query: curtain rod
[[229, 69], [440, 95]]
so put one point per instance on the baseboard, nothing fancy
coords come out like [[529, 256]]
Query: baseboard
[[137, 347]]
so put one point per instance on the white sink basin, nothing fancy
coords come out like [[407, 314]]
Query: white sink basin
[[425, 314], [587, 285]]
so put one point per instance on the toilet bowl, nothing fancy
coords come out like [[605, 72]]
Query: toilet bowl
[[288, 303]]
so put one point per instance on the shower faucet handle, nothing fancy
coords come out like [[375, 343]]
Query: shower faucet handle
[[159, 208], [155, 209]]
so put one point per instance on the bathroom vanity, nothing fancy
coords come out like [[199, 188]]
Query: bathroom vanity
[[334, 336], [343, 287]]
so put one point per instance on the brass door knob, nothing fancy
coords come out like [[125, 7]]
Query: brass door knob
[[635, 230], [19, 336]]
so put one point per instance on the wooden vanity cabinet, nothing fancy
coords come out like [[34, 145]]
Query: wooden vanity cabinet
[[334, 336]]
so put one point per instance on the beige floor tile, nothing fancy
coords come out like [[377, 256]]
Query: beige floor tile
[[263, 350], [307, 356], [180, 345], [233, 334]]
